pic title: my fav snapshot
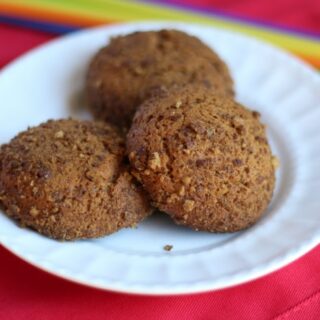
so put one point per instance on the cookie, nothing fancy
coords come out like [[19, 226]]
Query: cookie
[[69, 180], [204, 159], [131, 67]]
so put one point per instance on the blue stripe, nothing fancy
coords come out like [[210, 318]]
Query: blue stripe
[[38, 25]]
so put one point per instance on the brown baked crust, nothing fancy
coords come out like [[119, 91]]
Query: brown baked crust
[[125, 72], [203, 158], [68, 180]]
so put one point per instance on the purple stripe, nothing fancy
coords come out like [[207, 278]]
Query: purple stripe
[[237, 18]]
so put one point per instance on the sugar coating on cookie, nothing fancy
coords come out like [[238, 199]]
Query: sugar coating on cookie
[[204, 159], [68, 180], [131, 67]]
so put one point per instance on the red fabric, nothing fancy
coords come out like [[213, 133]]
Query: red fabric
[[301, 15], [291, 293], [14, 41], [28, 293]]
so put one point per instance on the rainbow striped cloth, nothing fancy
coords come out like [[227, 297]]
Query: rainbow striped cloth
[[62, 16]]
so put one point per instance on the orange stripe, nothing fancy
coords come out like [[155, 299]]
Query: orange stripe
[[315, 61], [52, 16]]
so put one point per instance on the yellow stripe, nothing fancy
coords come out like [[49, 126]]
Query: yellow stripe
[[123, 10]]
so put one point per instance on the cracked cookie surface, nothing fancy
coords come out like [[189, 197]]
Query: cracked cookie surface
[[131, 67], [204, 159], [69, 180]]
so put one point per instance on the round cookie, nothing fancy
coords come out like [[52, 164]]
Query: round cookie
[[204, 159], [68, 180], [125, 72]]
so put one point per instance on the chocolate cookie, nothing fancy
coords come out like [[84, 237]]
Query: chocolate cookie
[[204, 159], [68, 180], [125, 72]]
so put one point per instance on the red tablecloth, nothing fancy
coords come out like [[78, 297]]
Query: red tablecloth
[[28, 293]]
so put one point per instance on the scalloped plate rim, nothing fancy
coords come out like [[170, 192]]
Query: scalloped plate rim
[[236, 279]]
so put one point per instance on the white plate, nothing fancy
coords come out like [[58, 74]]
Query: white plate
[[46, 84]]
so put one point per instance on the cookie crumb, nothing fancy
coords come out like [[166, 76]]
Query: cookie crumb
[[138, 71], [155, 161], [182, 191], [35, 190], [178, 104], [132, 155], [14, 208], [34, 212], [168, 247], [186, 180], [173, 198], [59, 134], [55, 210], [256, 114], [188, 205]]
